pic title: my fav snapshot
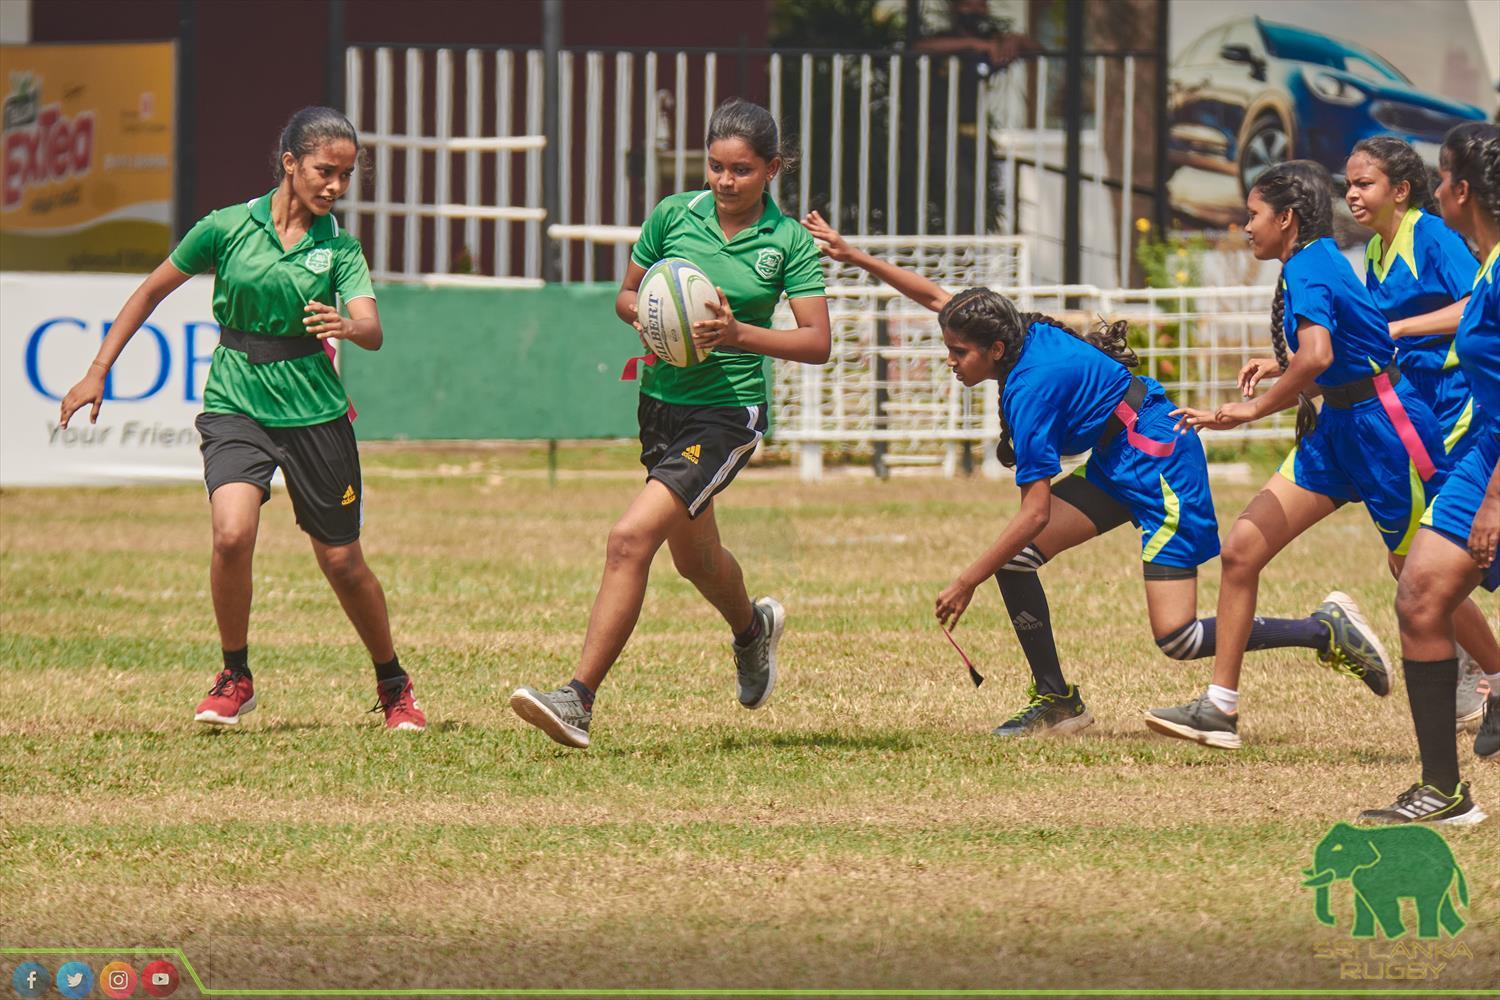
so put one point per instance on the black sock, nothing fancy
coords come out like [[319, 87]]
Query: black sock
[[1200, 638], [750, 634], [237, 661], [587, 697], [387, 673], [1026, 602], [1432, 687]]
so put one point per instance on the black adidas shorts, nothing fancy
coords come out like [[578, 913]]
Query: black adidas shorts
[[320, 463], [696, 451]]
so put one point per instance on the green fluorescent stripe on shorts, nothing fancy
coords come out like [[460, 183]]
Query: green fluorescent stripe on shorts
[[1460, 427], [1288, 470], [1451, 361], [1418, 507], [1168, 528]]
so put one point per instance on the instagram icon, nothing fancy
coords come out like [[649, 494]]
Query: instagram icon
[[118, 980]]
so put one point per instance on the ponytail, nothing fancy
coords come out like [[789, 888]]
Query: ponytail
[[1307, 414]]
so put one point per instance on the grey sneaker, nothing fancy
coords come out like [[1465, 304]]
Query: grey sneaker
[[1048, 714], [1200, 720], [755, 664], [1487, 740], [1426, 804], [1470, 697], [560, 714], [1353, 647]]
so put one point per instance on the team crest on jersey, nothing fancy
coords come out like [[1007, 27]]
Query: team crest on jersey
[[319, 261], [767, 263]]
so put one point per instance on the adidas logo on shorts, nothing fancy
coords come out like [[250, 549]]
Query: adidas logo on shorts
[[692, 453], [348, 497]]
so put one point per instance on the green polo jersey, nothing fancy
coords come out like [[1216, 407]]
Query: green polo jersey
[[773, 256], [261, 287]]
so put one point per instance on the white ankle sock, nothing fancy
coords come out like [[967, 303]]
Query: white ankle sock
[[1226, 700]]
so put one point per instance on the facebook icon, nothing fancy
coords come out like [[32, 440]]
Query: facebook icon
[[30, 979]]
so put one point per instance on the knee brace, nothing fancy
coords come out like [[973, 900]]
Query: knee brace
[[1028, 560], [1188, 642]]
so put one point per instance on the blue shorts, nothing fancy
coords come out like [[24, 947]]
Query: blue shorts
[[1167, 497], [1452, 513], [1446, 392], [1357, 456]]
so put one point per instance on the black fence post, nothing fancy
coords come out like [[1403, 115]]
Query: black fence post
[[334, 61], [186, 179], [1073, 120], [552, 31], [1163, 207]]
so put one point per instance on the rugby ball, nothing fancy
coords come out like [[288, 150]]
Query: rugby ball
[[673, 296]]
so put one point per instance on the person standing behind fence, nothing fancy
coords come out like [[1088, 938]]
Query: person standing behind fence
[[1419, 273], [1063, 394], [1376, 442], [273, 398], [700, 425], [1458, 546]]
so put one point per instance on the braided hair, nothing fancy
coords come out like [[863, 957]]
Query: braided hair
[[1400, 162], [1305, 188], [1471, 153], [984, 318]]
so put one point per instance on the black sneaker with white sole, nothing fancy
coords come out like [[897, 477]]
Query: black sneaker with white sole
[[1048, 714], [1353, 646], [560, 714], [1487, 740], [755, 662], [1426, 804]]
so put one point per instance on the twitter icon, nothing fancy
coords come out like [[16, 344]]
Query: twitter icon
[[75, 979]]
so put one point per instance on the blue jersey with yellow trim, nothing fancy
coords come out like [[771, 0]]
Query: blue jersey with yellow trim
[[1478, 340], [1057, 399], [1426, 267], [1319, 287]]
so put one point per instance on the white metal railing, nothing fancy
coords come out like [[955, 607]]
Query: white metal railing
[[887, 390], [916, 144]]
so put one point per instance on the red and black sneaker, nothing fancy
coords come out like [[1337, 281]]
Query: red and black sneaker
[[233, 695], [400, 707]]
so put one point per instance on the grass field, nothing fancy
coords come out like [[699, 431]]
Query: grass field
[[864, 831]]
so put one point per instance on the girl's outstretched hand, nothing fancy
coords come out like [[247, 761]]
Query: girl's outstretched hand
[[828, 238], [1222, 419], [952, 602], [1256, 369], [88, 392]]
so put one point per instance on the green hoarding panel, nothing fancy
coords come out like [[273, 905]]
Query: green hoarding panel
[[495, 363]]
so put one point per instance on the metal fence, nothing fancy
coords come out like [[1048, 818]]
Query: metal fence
[[886, 144]]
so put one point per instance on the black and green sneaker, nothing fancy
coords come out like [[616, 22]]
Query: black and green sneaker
[[1487, 740], [1426, 804], [1353, 647], [1048, 714]]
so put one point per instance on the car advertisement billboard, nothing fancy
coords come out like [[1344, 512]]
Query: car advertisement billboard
[[1256, 83]]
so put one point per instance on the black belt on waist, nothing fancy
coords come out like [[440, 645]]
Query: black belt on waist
[[1343, 397], [1134, 397], [263, 348]]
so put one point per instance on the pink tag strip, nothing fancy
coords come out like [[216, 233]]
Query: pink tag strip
[[632, 367], [974, 675], [1415, 449], [1156, 449]]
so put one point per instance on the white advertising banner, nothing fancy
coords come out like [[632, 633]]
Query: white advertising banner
[[51, 326]]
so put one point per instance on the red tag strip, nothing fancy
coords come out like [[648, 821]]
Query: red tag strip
[[974, 675], [1415, 449], [632, 367], [1138, 441]]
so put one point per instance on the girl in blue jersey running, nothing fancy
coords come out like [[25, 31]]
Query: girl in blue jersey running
[[1064, 394], [1375, 441], [1419, 272], [1458, 546]]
